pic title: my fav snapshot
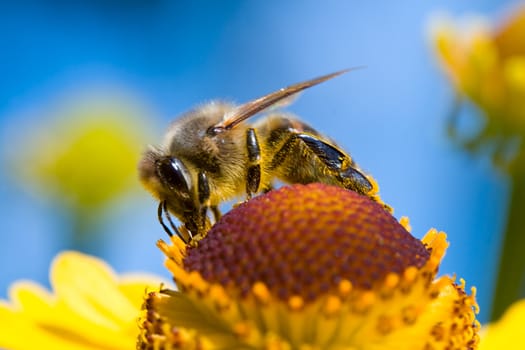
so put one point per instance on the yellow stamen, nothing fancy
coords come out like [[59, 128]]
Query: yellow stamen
[[332, 306], [260, 291], [295, 303], [345, 287]]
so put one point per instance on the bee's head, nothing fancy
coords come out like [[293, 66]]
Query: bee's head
[[170, 181]]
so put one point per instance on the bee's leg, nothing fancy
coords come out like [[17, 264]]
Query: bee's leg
[[340, 163], [203, 188], [162, 209], [216, 212], [267, 189], [254, 163], [284, 151]]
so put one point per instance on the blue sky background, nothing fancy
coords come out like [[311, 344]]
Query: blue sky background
[[167, 56]]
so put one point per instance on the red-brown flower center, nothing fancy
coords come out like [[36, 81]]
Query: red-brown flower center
[[303, 240]]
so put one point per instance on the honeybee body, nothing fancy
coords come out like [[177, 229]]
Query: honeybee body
[[211, 155], [287, 157]]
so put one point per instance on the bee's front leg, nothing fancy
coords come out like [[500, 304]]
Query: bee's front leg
[[253, 177], [203, 188]]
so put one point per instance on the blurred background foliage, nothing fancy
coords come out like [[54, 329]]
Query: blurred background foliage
[[79, 77]]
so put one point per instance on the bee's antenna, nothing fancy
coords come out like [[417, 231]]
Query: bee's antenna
[[163, 208]]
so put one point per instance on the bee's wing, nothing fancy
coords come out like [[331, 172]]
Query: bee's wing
[[251, 108], [286, 101]]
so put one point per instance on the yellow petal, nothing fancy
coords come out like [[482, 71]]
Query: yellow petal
[[92, 308], [87, 286], [507, 333]]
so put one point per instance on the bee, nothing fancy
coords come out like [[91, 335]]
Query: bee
[[212, 154]]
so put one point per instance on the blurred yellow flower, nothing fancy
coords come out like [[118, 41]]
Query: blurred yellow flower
[[507, 333], [86, 156], [486, 64], [309, 267], [89, 308]]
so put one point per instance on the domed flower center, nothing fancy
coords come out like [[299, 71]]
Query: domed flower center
[[303, 241]]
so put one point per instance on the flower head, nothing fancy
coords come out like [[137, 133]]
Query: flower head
[[85, 157], [486, 64], [90, 308], [309, 267]]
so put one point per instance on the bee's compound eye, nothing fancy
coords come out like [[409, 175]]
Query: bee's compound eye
[[174, 174]]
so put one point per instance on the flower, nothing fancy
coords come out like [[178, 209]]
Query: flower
[[486, 64], [90, 308], [86, 156], [507, 332], [309, 267]]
